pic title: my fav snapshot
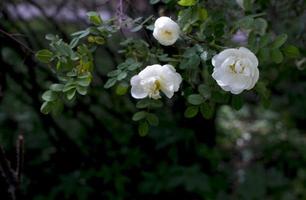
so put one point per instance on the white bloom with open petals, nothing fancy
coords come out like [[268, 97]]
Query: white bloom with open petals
[[153, 79], [166, 31], [235, 70]]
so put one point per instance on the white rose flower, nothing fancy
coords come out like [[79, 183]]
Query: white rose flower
[[166, 31], [235, 70], [153, 79]]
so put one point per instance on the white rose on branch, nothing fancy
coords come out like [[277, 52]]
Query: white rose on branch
[[166, 31], [235, 70], [153, 79]]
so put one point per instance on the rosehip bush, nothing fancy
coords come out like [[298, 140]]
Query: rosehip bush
[[192, 53]]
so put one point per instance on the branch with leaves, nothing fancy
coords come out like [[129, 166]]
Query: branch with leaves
[[195, 57]]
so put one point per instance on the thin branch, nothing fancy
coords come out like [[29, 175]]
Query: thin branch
[[18, 41], [20, 156], [9, 175]]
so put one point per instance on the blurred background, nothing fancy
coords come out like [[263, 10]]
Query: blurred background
[[93, 151]]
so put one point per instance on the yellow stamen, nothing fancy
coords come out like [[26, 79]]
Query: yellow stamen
[[232, 66], [169, 33]]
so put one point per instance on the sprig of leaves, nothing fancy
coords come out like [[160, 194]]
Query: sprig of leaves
[[73, 62]]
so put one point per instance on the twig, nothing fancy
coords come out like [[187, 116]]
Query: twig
[[9, 175], [20, 156], [120, 13], [19, 42]]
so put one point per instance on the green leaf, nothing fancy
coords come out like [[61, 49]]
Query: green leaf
[[276, 56], [246, 22], [56, 87], [122, 89], [264, 54], [154, 1], [69, 86], [139, 115], [143, 128], [49, 95], [220, 97], [191, 111], [149, 103], [187, 2], [261, 88], [264, 41], [144, 103], [82, 90], [50, 37], [44, 56], [260, 26], [74, 42], [46, 107], [152, 119], [207, 110], [264, 93], [81, 34], [134, 66], [114, 73], [247, 4], [279, 41], [195, 99], [121, 76], [237, 102], [204, 90], [203, 14], [99, 40], [72, 73], [70, 94], [94, 18], [155, 103], [110, 82], [219, 29], [253, 43], [184, 19], [85, 82], [291, 51], [136, 28], [57, 107], [190, 62]]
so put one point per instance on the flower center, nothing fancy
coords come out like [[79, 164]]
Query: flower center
[[167, 34], [154, 90], [237, 67]]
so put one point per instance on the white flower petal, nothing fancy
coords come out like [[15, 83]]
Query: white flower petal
[[218, 59], [154, 78], [169, 92], [249, 54], [255, 79], [166, 31], [137, 91], [235, 70]]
